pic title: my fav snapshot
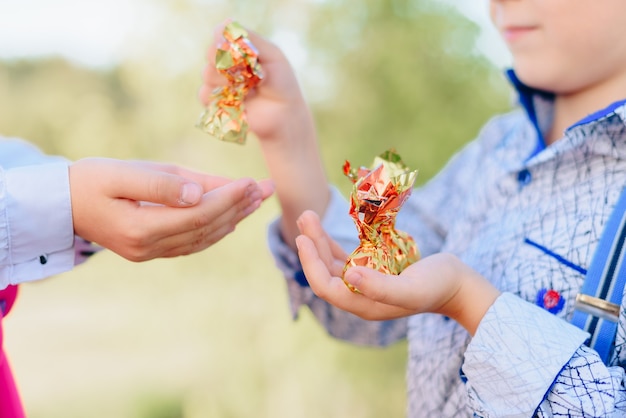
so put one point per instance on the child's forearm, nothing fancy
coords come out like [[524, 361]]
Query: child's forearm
[[295, 165]]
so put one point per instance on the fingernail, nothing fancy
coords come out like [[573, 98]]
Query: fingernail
[[252, 207], [190, 193], [353, 277], [253, 192]]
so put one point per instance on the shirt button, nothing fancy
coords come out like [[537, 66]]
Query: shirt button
[[43, 259], [524, 177]]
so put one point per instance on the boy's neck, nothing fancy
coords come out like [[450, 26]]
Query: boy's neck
[[572, 107]]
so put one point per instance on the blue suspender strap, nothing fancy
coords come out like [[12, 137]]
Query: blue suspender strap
[[598, 304]]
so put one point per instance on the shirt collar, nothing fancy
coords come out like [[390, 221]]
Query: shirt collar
[[528, 100]]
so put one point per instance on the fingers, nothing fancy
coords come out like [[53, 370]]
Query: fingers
[[340, 257], [207, 181], [143, 232], [267, 50], [145, 210], [190, 242], [205, 93], [382, 288], [267, 187], [138, 183], [332, 289], [207, 233], [219, 29], [269, 54], [309, 225], [329, 250], [159, 231], [212, 79], [327, 287], [219, 205]]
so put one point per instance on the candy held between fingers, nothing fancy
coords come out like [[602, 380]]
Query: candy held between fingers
[[376, 198], [238, 61]]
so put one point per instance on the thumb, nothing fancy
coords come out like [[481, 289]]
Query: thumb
[[141, 184], [369, 282]]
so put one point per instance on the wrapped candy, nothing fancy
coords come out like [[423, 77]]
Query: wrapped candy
[[376, 198], [238, 60]]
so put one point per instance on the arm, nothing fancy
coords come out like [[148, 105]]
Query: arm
[[522, 360], [139, 210], [439, 283], [278, 115]]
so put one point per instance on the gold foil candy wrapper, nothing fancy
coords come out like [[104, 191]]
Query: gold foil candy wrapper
[[237, 60], [377, 196]]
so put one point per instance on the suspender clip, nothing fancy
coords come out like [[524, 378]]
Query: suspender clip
[[597, 307]]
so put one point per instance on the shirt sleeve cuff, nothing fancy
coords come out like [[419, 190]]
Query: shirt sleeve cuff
[[38, 215], [515, 356]]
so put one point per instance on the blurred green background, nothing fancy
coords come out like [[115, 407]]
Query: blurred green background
[[210, 335]]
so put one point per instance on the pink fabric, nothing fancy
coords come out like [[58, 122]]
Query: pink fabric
[[10, 403]]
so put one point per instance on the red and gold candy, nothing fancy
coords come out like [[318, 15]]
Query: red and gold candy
[[238, 60], [377, 196]]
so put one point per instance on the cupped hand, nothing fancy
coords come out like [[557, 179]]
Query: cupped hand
[[440, 283], [144, 210]]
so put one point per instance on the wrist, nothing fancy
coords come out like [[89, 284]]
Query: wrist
[[295, 125], [473, 298]]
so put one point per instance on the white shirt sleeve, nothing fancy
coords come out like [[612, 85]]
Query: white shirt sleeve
[[36, 229], [513, 359]]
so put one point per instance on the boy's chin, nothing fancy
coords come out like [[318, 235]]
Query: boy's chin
[[538, 78], [555, 78]]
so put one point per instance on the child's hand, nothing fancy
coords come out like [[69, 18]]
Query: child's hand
[[146, 210], [440, 283], [280, 118], [274, 101]]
